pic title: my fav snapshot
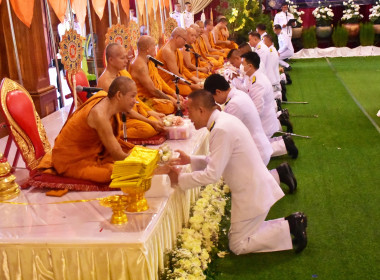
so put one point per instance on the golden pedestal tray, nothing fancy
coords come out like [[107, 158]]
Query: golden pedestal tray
[[8, 187], [117, 203]]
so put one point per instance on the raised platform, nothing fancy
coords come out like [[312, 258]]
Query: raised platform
[[77, 241]]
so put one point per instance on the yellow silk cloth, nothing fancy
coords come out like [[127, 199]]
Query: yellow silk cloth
[[94, 256], [137, 128], [160, 105], [183, 89]]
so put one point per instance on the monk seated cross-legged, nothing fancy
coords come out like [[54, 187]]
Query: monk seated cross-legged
[[151, 88], [142, 122], [216, 59], [173, 61], [208, 36], [90, 141], [221, 34], [189, 56]]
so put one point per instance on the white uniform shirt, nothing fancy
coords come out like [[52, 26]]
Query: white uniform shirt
[[259, 88], [187, 19], [177, 16], [282, 18], [241, 106], [285, 44], [234, 155], [263, 51], [273, 72]]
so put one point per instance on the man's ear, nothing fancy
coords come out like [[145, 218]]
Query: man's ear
[[118, 95]]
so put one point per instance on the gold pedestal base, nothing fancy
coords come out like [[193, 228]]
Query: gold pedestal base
[[137, 202], [118, 204]]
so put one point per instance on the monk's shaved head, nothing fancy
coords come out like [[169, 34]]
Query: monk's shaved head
[[112, 50], [144, 43], [122, 84], [178, 31], [202, 98], [199, 23]]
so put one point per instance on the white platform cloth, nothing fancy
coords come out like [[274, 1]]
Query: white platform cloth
[[337, 52]]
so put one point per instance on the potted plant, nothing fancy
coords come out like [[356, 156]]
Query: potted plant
[[374, 17], [351, 18], [297, 30], [323, 16]]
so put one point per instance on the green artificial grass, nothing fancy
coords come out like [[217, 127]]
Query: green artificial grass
[[338, 177]]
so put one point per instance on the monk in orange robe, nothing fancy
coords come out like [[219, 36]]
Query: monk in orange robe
[[216, 61], [90, 141], [142, 122], [209, 39], [172, 58], [151, 88], [221, 34], [204, 67]]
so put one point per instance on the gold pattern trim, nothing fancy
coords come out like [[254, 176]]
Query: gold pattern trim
[[22, 140], [170, 24], [119, 34], [134, 33], [155, 32]]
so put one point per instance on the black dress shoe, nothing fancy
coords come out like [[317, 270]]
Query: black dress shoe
[[297, 225], [288, 79], [283, 91], [290, 146], [278, 102], [289, 68], [286, 122], [285, 113], [286, 176]]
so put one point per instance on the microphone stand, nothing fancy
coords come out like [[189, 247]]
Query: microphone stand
[[176, 79], [197, 56], [124, 120]]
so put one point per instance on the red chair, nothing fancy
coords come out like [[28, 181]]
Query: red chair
[[81, 80], [24, 124]]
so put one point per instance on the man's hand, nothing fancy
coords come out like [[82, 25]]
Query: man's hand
[[173, 175], [183, 159], [158, 126]]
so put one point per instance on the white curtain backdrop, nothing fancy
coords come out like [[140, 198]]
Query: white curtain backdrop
[[199, 5]]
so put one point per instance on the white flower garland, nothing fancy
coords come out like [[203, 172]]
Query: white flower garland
[[191, 256]]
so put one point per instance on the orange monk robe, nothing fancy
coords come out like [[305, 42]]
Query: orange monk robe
[[164, 106], [137, 128], [78, 151], [214, 46], [201, 75], [222, 37], [201, 46], [184, 90]]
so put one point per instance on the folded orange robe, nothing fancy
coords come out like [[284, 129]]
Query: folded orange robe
[[160, 105], [78, 151], [184, 90], [137, 128]]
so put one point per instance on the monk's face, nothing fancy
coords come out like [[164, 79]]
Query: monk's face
[[119, 59], [128, 100], [209, 27], [180, 40], [201, 27], [191, 35]]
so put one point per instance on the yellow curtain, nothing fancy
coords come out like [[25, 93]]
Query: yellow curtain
[[59, 8], [80, 8], [199, 5], [23, 10], [99, 6]]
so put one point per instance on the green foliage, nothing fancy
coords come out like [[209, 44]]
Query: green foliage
[[367, 34], [243, 16], [340, 36], [309, 38]]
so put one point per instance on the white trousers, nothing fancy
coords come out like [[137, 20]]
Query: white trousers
[[286, 54], [278, 146], [257, 235]]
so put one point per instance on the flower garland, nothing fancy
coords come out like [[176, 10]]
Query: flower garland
[[351, 12], [375, 13], [198, 243], [323, 15]]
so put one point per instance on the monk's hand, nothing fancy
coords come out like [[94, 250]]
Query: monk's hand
[[183, 159], [228, 42], [157, 115], [158, 126]]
